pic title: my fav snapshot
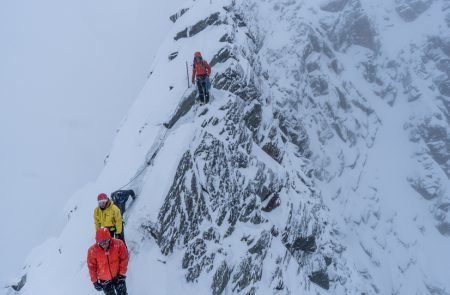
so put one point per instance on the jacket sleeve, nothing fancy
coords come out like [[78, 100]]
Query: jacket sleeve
[[96, 219], [92, 265], [208, 68], [123, 258], [118, 220]]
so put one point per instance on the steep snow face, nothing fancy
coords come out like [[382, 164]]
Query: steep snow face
[[320, 166], [70, 72]]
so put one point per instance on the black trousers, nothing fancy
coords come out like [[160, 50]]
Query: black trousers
[[114, 287], [203, 88], [118, 236]]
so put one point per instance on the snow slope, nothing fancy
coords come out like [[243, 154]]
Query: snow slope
[[320, 167], [70, 71]]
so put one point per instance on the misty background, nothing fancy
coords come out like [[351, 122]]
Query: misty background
[[69, 72]]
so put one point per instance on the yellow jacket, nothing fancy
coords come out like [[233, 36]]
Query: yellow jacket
[[109, 217]]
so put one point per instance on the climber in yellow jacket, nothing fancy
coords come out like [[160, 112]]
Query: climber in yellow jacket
[[108, 215]]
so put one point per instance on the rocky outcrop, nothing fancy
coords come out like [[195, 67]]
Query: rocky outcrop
[[409, 10]]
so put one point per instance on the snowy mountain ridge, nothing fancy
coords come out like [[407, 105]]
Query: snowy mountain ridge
[[321, 165]]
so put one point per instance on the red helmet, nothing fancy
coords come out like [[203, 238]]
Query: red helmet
[[102, 234], [197, 54], [102, 196]]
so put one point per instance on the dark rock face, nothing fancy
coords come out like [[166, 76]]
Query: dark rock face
[[213, 19], [334, 5], [226, 38], [319, 85], [221, 279], [224, 181], [173, 55], [179, 14], [437, 139], [233, 80], [17, 287], [438, 51], [273, 203], [253, 118], [307, 244], [320, 278], [176, 222], [222, 56], [409, 10], [185, 106], [353, 28]]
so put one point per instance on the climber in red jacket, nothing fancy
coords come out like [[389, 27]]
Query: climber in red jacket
[[107, 262], [201, 72]]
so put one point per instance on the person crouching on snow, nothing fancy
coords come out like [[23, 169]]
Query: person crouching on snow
[[107, 261]]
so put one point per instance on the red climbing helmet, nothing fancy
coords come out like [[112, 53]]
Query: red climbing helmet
[[102, 234], [197, 54], [102, 197]]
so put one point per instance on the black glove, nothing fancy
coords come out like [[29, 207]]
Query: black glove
[[98, 286], [121, 278]]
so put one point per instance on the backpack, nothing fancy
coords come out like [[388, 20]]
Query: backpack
[[120, 198]]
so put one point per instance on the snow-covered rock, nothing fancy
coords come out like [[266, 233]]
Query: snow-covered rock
[[321, 166]]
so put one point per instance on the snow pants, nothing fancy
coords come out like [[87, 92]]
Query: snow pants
[[203, 85], [115, 287]]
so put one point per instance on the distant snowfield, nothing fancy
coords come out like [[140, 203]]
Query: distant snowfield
[[69, 73]]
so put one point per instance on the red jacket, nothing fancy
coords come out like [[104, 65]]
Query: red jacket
[[107, 264], [201, 68]]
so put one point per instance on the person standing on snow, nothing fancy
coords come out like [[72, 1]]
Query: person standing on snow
[[107, 261], [201, 72], [107, 214]]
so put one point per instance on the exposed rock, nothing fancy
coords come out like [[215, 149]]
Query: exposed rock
[[272, 149], [273, 203], [253, 118], [353, 28], [409, 10], [179, 14], [319, 85], [334, 5], [184, 107], [305, 244], [234, 80], [222, 56], [221, 279], [17, 287], [213, 19], [183, 210], [261, 245], [320, 278], [437, 137], [173, 55], [226, 38]]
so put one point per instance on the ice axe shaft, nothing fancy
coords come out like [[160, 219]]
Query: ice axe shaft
[[187, 74]]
